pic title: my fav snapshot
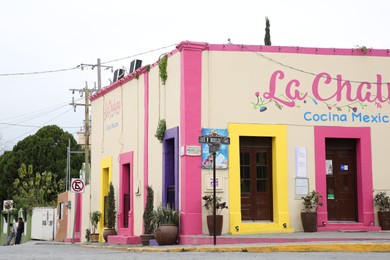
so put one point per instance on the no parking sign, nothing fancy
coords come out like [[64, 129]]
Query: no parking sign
[[77, 185]]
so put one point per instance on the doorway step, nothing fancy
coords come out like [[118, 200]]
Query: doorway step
[[347, 227]]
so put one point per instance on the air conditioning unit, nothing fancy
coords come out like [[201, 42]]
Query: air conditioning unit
[[134, 65], [118, 74]]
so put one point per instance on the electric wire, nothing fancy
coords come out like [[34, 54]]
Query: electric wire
[[80, 65], [139, 54]]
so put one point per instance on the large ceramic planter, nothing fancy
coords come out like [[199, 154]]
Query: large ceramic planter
[[108, 232], [309, 221], [145, 238], [384, 219], [219, 223], [167, 234]]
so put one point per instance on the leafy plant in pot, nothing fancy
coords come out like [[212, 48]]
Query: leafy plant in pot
[[382, 201], [166, 224], [110, 214], [309, 214], [210, 206], [94, 218], [148, 216]]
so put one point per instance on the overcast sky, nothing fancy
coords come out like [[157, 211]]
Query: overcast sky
[[50, 35]]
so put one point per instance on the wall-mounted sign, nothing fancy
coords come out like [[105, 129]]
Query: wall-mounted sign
[[329, 167], [300, 162], [330, 196], [343, 167], [216, 137], [209, 181], [301, 187], [193, 150]]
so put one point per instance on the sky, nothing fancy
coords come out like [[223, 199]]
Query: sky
[[43, 42]]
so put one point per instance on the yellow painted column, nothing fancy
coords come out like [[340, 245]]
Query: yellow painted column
[[105, 179], [281, 218]]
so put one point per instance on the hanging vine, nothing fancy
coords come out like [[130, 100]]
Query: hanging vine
[[162, 65], [160, 132]]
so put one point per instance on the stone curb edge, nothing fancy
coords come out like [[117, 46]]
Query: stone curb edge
[[361, 247]]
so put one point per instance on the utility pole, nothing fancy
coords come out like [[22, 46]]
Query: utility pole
[[85, 92], [99, 70]]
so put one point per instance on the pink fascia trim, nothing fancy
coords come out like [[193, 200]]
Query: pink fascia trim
[[363, 168], [246, 48], [299, 50], [126, 79], [126, 158]]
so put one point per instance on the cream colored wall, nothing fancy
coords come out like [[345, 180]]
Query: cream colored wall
[[129, 135], [295, 140], [85, 211], [164, 103], [126, 136], [231, 79], [97, 149]]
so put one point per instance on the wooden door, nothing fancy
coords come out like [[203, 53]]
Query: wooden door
[[256, 179], [341, 179]]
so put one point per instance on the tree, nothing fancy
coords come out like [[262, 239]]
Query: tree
[[35, 189], [45, 151], [267, 38], [111, 217]]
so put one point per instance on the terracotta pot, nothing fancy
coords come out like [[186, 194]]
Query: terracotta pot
[[108, 232], [219, 223], [94, 237], [309, 221], [167, 234], [384, 219], [145, 238]]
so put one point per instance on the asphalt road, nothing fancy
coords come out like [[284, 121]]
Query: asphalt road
[[32, 251]]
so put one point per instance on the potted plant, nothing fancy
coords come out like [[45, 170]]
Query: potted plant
[[110, 214], [382, 201], [148, 216], [166, 224], [210, 206], [309, 213], [94, 218]]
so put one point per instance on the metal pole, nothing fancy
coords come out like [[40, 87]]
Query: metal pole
[[99, 74], [86, 134], [68, 166], [215, 200]]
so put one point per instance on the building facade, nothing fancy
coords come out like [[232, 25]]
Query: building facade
[[298, 119]]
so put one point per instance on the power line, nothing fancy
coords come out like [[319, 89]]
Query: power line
[[35, 72], [135, 55], [78, 66], [40, 126]]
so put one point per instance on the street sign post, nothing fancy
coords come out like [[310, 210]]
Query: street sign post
[[77, 185], [214, 141]]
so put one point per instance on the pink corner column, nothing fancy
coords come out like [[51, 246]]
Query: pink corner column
[[190, 129]]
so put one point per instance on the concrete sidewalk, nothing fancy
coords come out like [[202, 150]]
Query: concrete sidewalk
[[287, 242]]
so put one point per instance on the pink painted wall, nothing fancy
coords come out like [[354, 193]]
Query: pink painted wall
[[190, 130], [124, 180]]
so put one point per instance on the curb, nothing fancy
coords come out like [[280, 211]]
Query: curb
[[332, 247]]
